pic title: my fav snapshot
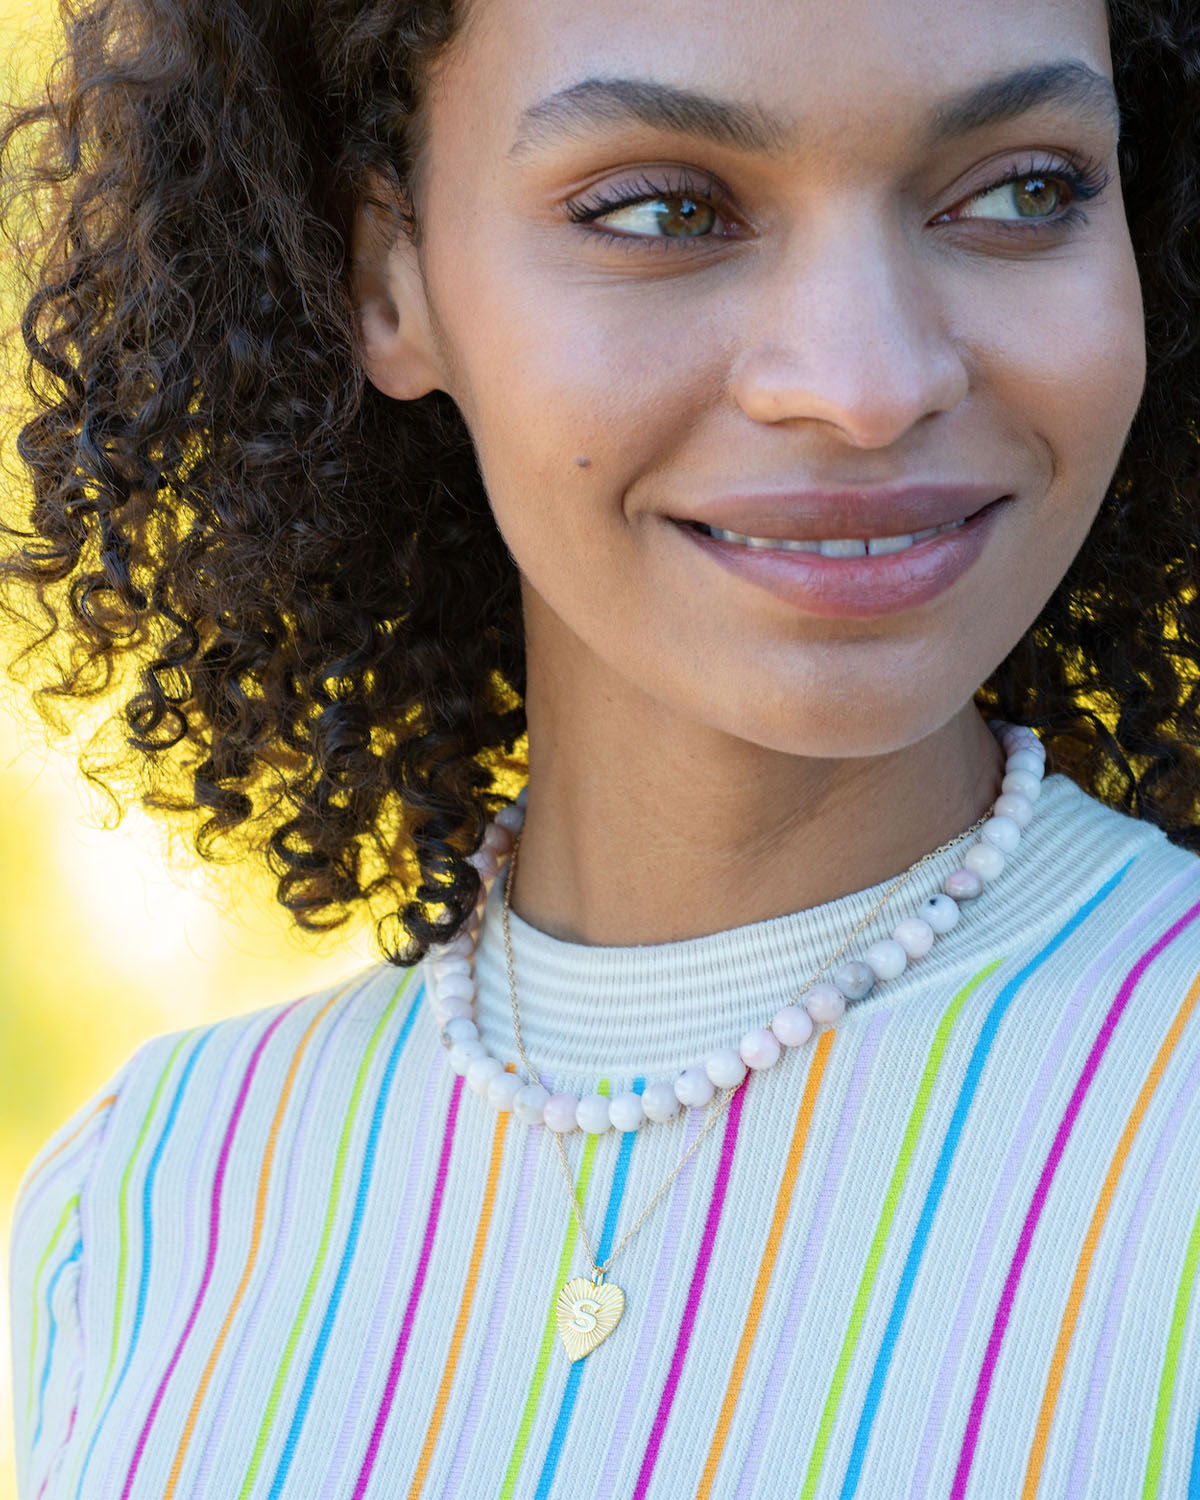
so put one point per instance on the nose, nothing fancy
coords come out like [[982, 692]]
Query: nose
[[851, 332]]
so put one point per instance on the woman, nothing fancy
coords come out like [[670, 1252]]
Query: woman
[[767, 407]]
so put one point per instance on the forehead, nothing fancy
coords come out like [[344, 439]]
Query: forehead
[[820, 66]]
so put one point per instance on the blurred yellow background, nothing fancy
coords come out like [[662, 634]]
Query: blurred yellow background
[[101, 944]]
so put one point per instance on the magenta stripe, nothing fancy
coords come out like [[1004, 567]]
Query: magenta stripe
[[1010, 1174], [499, 1308], [278, 1259], [410, 1312], [716, 1204], [381, 1317], [1089, 1423], [214, 1221], [1000, 1324], [656, 1301], [788, 1339]]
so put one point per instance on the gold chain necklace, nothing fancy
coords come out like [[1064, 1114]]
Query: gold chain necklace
[[587, 1309]]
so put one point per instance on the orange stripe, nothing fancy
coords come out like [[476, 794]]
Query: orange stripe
[[464, 1307], [109, 1099], [264, 1178], [1037, 1451], [782, 1204]]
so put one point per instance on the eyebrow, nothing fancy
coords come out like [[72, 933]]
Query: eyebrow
[[620, 101]]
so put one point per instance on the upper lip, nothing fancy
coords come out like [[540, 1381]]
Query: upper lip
[[821, 515]]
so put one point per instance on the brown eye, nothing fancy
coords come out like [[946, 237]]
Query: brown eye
[[672, 216], [1036, 197]]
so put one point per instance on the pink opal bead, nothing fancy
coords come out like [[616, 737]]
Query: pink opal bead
[[793, 1025], [1013, 805], [725, 1068], [963, 885], [760, 1048], [914, 936], [456, 963], [886, 958], [481, 1071], [558, 1112], [625, 1111], [939, 911], [522, 797], [985, 860], [460, 1029], [1022, 782], [1002, 832], [693, 1087], [528, 1103], [1026, 760], [459, 946], [660, 1102], [485, 862], [503, 1088], [592, 1114], [456, 987], [510, 818], [855, 979], [464, 1053], [498, 839], [825, 1002], [446, 1010]]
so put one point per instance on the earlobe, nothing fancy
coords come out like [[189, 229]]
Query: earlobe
[[399, 352]]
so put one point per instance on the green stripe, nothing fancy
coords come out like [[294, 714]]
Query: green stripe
[[543, 1359], [71, 1204], [933, 1065], [1166, 1385], [335, 1189]]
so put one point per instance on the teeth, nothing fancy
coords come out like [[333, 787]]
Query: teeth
[[874, 546]]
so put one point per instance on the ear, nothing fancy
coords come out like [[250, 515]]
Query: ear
[[400, 353]]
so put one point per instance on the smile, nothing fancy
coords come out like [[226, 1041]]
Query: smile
[[872, 546]]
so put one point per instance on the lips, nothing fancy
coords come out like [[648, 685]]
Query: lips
[[822, 515]]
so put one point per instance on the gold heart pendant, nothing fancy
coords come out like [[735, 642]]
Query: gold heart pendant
[[587, 1314]]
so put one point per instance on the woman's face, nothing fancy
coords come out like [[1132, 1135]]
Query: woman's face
[[837, 272]]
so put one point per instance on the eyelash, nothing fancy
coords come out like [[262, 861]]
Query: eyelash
[[1084, 179]]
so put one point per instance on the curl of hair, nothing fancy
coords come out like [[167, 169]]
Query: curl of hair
[[298, 582]]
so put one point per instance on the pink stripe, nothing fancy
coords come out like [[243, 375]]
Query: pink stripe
[[214, 1220], [1099, 1047], [499, 1309], [381, 1318], [716, 1203], [301, 1161], [1089, 1423], [789, 1338], [1010, 1174], [656, 1300], [410, 1312]]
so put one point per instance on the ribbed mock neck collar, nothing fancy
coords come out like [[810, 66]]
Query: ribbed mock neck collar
[[618, 1012]]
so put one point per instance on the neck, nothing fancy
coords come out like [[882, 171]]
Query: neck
[[642, 828]]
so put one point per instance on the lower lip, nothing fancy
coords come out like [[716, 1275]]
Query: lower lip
[[857, 587]]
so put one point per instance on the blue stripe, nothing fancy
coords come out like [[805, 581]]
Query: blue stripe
[[571, 1390], [360, 1201], [74, 1255], [942, 1171], [1194, 1477], [147, 1242]]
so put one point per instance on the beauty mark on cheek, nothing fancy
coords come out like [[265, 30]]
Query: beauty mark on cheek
[[583, 460]]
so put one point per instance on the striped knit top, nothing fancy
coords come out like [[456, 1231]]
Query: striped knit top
[[949, 1248]]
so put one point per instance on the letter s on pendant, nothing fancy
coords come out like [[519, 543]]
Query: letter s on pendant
[[586, 1307]]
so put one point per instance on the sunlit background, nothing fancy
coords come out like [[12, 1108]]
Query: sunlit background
[[102, 943]]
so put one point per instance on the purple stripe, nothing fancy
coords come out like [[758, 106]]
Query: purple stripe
[[414, 1299], [500, 1303], [1000, 1324], [831, 1177], [214, 1220], [381, 1317], [656, 1300], [1089, 1424], [716, 1204], [1010, 1174], [300, 1162]]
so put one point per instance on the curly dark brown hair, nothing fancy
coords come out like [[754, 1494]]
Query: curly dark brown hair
[[295, 584]]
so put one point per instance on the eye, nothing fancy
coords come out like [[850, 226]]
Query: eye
[[663, 210], [1037, 194]]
